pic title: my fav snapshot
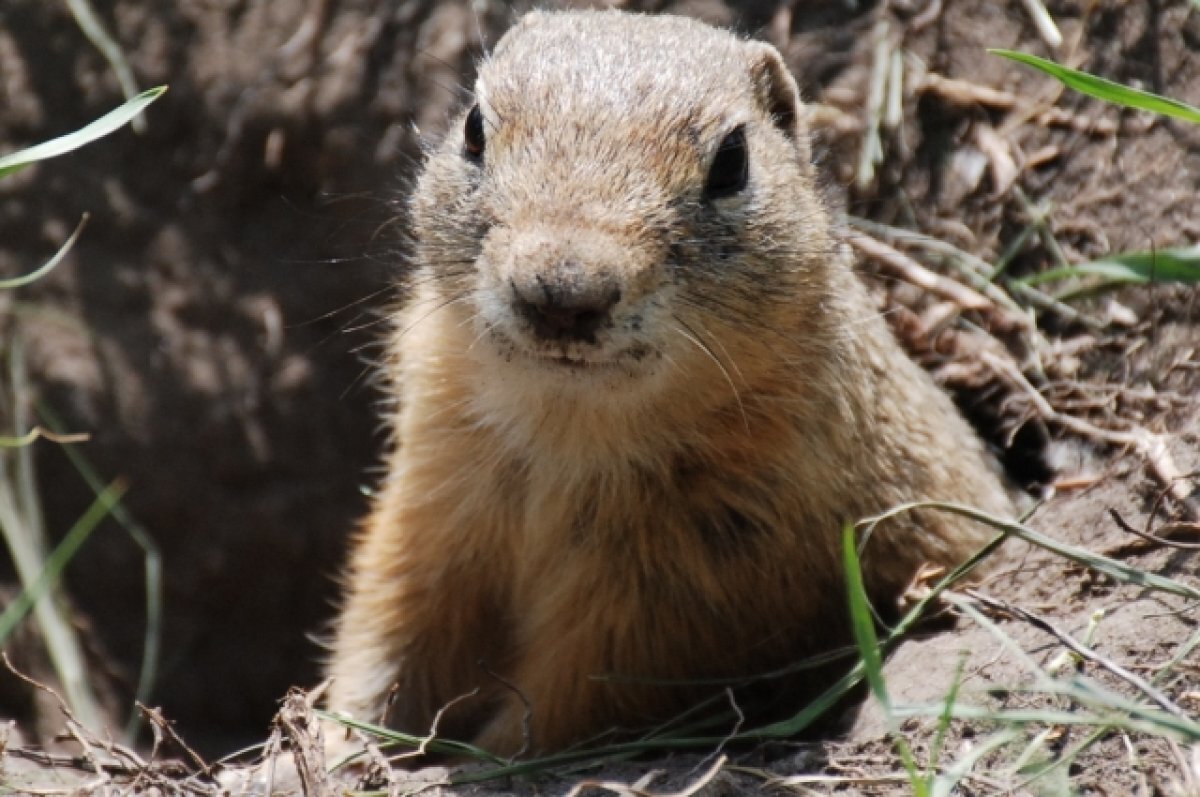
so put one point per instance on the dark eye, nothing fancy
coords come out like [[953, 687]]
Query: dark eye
[[473, 138], [730, 167]]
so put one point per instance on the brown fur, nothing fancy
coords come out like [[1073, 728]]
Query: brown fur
[[666, 501]]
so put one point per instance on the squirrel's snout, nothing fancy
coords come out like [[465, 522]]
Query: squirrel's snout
[[566, 304]]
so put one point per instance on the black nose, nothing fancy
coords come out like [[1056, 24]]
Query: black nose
[[570, 309]]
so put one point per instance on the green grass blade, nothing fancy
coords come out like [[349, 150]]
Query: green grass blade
[[863, 624], [1157, 725], [946, 784], [943, 727], [152, 563], [91, 26], [1104, 89], [59, 558], [1095, 561], [389, 736], [1181, 264], [85, 135], [861, 620], [816, 708], [49, 265], [1028, 760]]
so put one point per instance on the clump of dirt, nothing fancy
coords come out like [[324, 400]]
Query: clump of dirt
[[214, 327]]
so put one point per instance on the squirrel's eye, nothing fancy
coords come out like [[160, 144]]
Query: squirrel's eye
[[473, 138], [730, 167]]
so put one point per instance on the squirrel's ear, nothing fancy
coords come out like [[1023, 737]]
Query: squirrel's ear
[[530, 19], [534, 17], [778, 94]]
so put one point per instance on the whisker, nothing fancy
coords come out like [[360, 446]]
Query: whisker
[[442, 306], [382, 319], [732, 315], [691, 336], [344, 308], [405, 331], [732, 362], [368, 371], [483, 332]]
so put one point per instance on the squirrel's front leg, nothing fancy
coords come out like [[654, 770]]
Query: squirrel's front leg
[[422, 624]]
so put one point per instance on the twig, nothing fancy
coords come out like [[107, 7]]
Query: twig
[[1061, 117], [296, 721], [926, 18], [389, 703], [76, 731], [872, 146], [913, 272], [1163, 530], [1044, 23], [1151, 446], [526, 736], [271, 752], [839, 780], [1082, 651], [433, 726], [160, 725], [701, 782], [1046, 302], [976, 270], [1175, 482], [737, 726], [1162, 494], [135, 777], [635, 789], [893, 113], [639, 788], [67, 761], [379, 766], [38, 431], [119, 770], [964, 92]]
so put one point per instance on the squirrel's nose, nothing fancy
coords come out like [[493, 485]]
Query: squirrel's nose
[[567, 304]]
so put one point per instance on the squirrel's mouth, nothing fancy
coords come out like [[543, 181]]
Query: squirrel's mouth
[[633, 362], [575, 358], [574, 361]]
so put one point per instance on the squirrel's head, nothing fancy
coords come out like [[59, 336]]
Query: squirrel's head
[[625, 196]]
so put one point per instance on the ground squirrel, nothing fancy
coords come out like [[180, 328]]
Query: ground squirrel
[[638, 391]]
